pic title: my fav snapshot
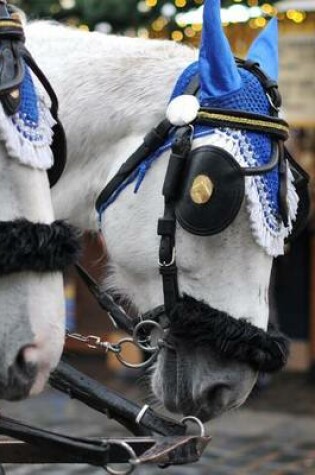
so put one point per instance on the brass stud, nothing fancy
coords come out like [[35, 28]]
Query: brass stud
[[15, 94], [201, 190]]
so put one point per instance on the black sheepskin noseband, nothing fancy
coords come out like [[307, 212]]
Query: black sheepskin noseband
[[200, 324], [27, 246]]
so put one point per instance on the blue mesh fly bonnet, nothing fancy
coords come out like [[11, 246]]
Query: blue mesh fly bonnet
[[225, 86]]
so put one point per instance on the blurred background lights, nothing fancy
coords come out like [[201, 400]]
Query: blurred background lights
[[151, 3], [104, 27], [143, 33], [143, 7], [177, 35], [67, 4], [168, 10], [180, 3], [236, 13]]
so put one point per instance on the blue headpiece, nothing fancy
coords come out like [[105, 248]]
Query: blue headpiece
[[225, 86], [219, 74]]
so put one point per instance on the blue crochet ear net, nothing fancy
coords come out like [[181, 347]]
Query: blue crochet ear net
[[226, 85]]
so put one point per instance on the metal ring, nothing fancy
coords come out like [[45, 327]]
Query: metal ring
[[145, 364], [141, 413], [140, 326], [132, 461], [197, 421]]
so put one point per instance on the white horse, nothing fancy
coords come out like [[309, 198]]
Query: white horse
[[112, 91], [32, 310]]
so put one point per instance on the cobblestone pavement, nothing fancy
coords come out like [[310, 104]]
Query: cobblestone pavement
[[245, 442]]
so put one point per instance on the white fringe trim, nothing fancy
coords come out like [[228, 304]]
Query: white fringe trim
[[35, 154], [269, 237]]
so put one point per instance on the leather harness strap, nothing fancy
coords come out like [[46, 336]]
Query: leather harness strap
[[79, 386], [151, 142], [93, 452], [167, 225]]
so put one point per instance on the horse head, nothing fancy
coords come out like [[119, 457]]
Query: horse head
[[33, 248], [228, 229], [230, 222]]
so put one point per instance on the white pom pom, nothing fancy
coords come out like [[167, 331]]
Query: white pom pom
[[183, 110]]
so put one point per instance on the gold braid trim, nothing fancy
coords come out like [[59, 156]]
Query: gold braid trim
[[4, 23], [243, 121]]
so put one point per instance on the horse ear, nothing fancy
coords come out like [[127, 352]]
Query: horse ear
[[218, 71], [265, 51]]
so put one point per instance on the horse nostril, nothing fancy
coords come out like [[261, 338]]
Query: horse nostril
[[217, 396], [23, 370]]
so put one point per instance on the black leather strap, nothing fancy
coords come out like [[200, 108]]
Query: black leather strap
[[79, 386], [152, 141], [116, 313], [93, 452], [269, 85], [167, 225], [277, 128], [268, 167]]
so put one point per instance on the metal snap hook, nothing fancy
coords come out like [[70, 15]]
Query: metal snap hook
[[133, 461], [196, 421], [145, 345]]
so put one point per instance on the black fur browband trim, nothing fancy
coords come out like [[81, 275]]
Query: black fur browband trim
[[200, 324], [27, 246]]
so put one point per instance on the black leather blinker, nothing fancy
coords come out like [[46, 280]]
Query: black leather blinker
[[212, 192]]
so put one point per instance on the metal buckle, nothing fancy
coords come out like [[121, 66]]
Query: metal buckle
[[169, 264]]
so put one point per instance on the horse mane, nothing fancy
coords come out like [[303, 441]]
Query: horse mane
[[114, 45]]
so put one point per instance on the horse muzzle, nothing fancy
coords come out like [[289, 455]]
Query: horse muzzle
[[16, 384]]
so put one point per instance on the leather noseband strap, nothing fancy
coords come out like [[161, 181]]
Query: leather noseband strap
[[27, 246], [229, 337]]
